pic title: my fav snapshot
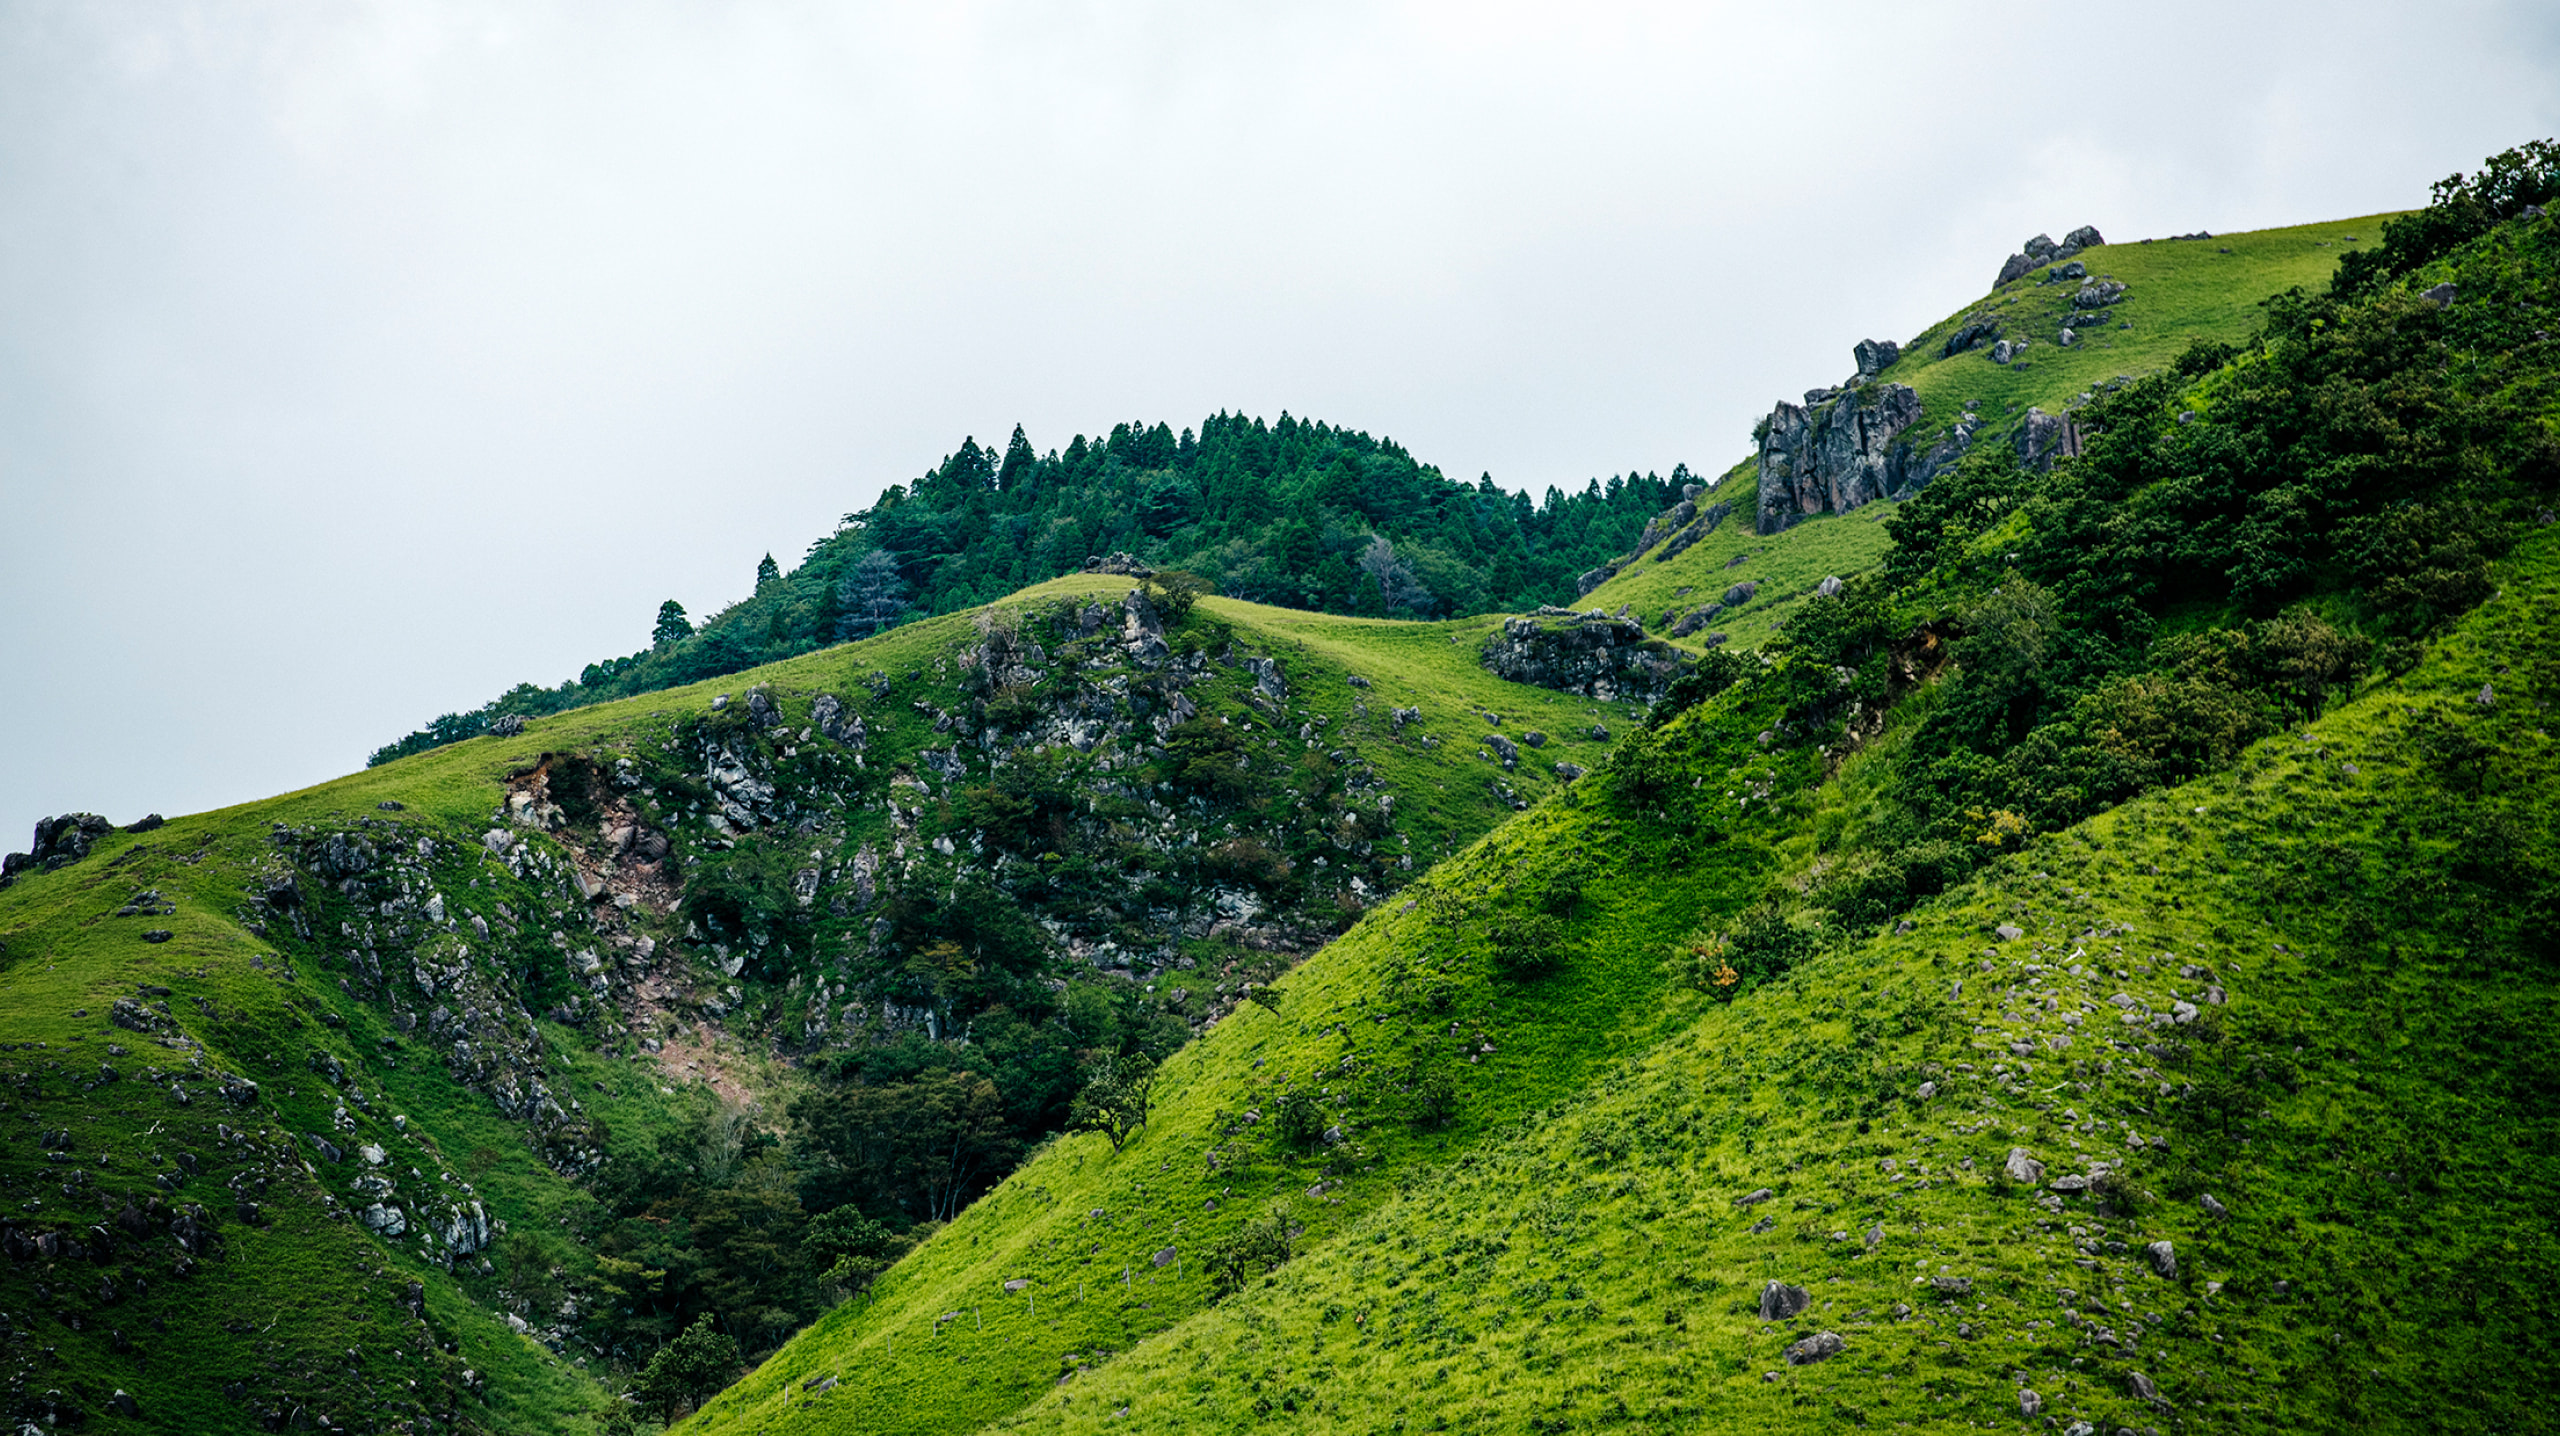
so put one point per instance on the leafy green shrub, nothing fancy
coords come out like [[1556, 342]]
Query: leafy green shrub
[[1431, 1095], [1174, 591], [697, 1363], [1261, 1245], [1526, 944], [1298, 1119]]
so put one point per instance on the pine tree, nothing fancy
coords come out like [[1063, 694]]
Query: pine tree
[[673, 626], [871, 596], [767, 572], [1018, 461]]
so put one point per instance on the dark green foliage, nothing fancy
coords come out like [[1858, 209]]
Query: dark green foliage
[[921, 1149], [871, 597], [672, 626], [1298, 1119], [698, 1362], [1173, 591], [851, 1248], [2461, 209], [767, 571], [1714, 672], [1252, 1249]]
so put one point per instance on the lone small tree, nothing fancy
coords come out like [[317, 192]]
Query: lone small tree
[[767, 572], [871, 596], [1116, 1100], [698, 1362], [673, 626], [1173, 592]]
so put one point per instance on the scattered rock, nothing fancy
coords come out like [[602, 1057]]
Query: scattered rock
[[2070, 1186], [1830, 586], [1925, 1091], [1504, 749], [2030, 1405], [1951, 1287], [158, 934], [1753, 1198], [2212, 1207], [2142, 1387], [508, 725], [2440, 296], [1876, 355], [2009, 932], [1966, 336], [2023, 1169], [1781, 1302], [1821, 1346], [2164, 1258]]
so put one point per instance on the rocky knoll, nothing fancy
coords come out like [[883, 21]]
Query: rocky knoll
[[1591, 653]]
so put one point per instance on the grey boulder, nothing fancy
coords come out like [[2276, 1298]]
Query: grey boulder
[[1781, 1302], [1821, 1346]]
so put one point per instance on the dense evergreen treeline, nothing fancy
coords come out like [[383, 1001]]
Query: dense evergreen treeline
[[1296, 513]]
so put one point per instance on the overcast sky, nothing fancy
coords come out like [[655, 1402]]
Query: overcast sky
[[360, 360]]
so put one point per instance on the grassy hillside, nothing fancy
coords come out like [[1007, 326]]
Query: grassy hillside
[[2178, 291], [2189, 999], [2099, 855], [310, 1002]]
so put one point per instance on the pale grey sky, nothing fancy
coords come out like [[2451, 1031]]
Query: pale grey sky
[[357, 361]]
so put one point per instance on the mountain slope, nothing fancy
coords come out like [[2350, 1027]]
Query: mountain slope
[[2039, 648], [405, 961], [2185, 1000]]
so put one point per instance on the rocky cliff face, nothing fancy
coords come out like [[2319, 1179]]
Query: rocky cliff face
[[1848, 446], [1837, 452]]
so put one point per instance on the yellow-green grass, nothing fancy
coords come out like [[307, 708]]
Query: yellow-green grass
[[1787, 566]]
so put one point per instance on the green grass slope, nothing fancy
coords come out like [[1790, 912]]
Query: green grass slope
[[232, 1281], [1787, 566], [2294, 1021]]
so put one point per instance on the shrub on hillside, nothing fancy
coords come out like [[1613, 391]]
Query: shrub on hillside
[[1260, 1245]]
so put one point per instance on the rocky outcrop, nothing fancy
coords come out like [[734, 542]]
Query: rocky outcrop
[[2045, 437], [1875, 356], [1837, 455], [1591, 654], [2041, 251], [59, 842]]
